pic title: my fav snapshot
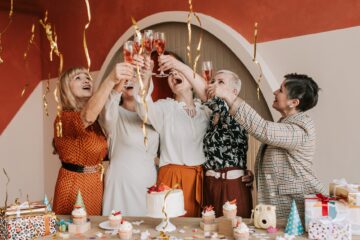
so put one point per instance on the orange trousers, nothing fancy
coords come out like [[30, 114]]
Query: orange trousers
[[190, 179]]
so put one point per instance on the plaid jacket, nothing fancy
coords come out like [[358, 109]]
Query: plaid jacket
[[284, 164]]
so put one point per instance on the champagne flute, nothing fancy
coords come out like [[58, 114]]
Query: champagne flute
[[137, 42], [207, 70], [148, 41], [159, 42], [128, 51]]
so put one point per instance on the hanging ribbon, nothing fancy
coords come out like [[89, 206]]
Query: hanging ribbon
[[26, 54], [52, 38], [141, 83], [188, 48], [3, 210], [47, 90], [258, 80], [11, 12], [164, 206], [84, 34]]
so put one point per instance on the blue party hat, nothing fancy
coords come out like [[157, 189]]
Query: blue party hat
[[294, 225], [47, 204]]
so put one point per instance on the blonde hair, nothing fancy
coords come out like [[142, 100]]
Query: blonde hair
[[234, 78], [67, 98]]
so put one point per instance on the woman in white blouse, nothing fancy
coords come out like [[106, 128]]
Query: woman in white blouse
[[181, 123], [132, 167]]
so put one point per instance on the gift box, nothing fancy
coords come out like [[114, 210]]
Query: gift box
[[352, 213], [326, 228], [339, 188], [26, 221], [318, 206]]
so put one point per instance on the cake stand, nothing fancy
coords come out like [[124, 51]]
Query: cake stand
[[165, 225]]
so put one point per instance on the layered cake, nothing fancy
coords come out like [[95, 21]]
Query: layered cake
[[155, 201]]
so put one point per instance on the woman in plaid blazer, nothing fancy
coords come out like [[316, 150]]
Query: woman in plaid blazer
[[284, 164]]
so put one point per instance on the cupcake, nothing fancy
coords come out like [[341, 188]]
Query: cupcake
[[230, 209], [208, 215], [79, 215], [115, 219], [241, 232], [125, 230]]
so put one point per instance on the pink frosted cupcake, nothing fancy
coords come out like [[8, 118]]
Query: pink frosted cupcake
[[125, 230], [241, 232], [79, 215], [208, 215], [230, 209], [115, 219]]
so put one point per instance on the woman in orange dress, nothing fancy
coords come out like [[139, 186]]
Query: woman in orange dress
[[82, 146]]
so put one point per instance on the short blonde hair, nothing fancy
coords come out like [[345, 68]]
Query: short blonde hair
[[234, 78], [67, 98]]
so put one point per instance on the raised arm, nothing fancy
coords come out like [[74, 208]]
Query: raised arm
[[285, 135], [93, 107], [168, 62]]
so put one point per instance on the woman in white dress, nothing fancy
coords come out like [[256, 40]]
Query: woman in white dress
[[132, 167]]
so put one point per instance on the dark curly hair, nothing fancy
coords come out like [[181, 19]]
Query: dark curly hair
[[304, 88]]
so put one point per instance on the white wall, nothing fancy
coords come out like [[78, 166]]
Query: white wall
[[21, 152], [332, 59]]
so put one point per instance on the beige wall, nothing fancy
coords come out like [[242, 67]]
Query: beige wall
[[332, 59], [21, 151]]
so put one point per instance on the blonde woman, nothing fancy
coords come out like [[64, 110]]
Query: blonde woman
[[83, 146]]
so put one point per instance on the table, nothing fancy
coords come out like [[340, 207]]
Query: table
[[187, 224]]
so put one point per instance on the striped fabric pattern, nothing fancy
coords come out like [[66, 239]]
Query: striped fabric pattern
[[284, 164]]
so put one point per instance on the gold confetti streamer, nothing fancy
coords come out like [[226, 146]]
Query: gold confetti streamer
[[11, 12], [6, 188], [84, 38], [198, 48], [26, 54], [47, 90], [142, 89], [52, 38], [164, 206], [258, 80]]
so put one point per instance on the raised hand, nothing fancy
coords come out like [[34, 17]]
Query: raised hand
[[167, 62], [219, 90], [123, 71]]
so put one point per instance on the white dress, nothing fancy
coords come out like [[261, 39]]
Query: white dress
[[132, 168]]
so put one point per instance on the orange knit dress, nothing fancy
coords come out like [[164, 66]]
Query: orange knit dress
[[86, 147]]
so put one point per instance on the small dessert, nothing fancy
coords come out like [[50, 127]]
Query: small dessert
[[79, 215], [125, 230], [115, 219], [230, 209], [241, 232], [208, 215]]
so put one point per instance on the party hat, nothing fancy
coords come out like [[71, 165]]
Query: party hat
[[79, 200], [294, 225], [47, 204]]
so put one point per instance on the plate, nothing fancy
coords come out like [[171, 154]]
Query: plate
[[106, 225]]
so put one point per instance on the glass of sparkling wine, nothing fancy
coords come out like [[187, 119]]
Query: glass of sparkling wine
[[137, 43], [148, 41], [159, 42], [128, 51], [207, 71]]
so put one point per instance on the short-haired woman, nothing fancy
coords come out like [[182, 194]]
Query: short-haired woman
[[284, 165]]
